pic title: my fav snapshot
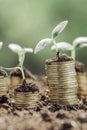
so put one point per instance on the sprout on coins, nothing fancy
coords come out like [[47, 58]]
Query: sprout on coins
[[78, 42]]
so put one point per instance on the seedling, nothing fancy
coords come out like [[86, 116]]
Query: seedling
[[60, 72], [80, 71], [45, 42], [78, 42], [21, 55]]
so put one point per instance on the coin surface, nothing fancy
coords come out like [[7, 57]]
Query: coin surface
[[4, 85], [26, 99]]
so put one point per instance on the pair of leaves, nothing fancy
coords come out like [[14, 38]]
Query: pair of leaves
[[45, 42], [16, 48]]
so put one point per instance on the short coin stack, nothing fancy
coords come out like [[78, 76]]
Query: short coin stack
[[26, 99], [82, 85], [62, 83], [26, 95], [4, 85]]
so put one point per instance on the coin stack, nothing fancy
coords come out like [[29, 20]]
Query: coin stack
[[26, 99], [82, 85], [4, 85], [62, 82]]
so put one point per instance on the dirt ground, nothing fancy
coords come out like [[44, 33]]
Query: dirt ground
[[46, 116]]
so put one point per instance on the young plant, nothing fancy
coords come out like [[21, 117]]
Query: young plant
[[45, 42], [21, 55], [77, 43]]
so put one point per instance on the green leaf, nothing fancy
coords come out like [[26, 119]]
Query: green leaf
[[62, 46], [42, 44], [79, 41], [59, 28]]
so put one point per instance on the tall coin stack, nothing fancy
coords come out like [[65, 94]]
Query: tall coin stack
[[62, 82], [26, 99]]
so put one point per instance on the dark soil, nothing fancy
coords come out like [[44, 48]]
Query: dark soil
[[4, 99], [79, 67], [18, 73], [27, 87], [46, 116], [3, 73], [60, 58]]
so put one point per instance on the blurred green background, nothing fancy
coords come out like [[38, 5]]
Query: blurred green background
[[26, 22]]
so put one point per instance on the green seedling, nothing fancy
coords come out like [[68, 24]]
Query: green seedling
[[78, 43], [45, 42], [21, 57]]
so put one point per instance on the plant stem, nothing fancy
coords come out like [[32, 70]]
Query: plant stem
[[22, 71], [13, 68], [58, 54], [21, 61], [54, 42], [73, 53]]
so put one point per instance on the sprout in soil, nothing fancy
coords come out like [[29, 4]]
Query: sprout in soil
[[45, 42], [78, 42], [21, 56]]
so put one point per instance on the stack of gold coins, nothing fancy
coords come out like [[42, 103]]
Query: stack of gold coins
[[4, 85], [82, 83], [62, 82], [26, 99]]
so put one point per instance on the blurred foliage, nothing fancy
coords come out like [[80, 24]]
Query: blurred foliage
[[27, 21]]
